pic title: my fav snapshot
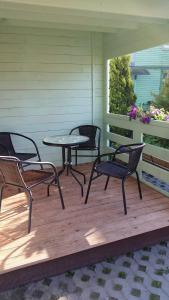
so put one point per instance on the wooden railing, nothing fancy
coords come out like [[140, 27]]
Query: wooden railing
[[155, 128]]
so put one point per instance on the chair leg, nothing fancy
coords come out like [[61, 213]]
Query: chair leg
[[98, 153], [41, 166], [56, 181], [30, 210], [124, 197], [89, 185], [48, 188], [76, 157], [60, 192], [107, 181], [1, 195], [139, 186]]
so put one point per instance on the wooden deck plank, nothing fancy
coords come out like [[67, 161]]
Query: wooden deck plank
[[79, 231]]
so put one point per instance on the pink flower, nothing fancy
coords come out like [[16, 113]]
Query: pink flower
[[133, 112], [167, 118], [145, 119]]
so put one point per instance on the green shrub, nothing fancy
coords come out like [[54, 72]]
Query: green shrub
[[121, 94]]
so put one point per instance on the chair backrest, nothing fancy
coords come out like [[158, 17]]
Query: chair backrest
[[134, 151], [134, 156], [6, 143], [92, 132], [10, 171]]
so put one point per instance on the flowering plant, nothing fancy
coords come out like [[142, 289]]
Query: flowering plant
[[145, 117], [133, 112]]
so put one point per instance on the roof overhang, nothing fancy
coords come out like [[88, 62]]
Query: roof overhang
[[127, 25], [90, 15]]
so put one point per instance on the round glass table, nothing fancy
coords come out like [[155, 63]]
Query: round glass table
[[66, 142]]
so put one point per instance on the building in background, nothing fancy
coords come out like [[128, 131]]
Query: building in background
[[149, 68]]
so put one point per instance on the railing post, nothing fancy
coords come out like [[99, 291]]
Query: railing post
[[138, 138]]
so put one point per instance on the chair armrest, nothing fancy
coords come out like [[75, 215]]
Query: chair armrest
[[41, 163], [126, 148], [113, 154], [10, 158], [102, 155]]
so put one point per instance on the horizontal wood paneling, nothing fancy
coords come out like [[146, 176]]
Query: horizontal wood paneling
[[41, 67], [46, 82]]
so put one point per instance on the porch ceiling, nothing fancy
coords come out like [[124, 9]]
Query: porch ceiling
[[103, 16], [127, 25]]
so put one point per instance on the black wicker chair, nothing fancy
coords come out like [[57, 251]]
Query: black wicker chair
[[118, 169], [93, 144], [12, 174], [7, 147]]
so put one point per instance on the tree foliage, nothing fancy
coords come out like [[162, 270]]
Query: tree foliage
[[162, 100], [121, 94]]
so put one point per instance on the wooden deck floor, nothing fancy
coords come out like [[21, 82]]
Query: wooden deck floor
[[79, 235]]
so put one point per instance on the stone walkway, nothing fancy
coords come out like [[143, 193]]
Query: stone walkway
[[142, 275]]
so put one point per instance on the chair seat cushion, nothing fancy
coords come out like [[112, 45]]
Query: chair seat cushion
[[25, 156], [36, 175], [112, 168]]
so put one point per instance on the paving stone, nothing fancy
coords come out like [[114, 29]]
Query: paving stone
[[101, 282], [142, 268], [18, 293], [54, 297], [126, 264], [136, 292], [154, 297], [147, 249], [94, 296], [111, 260], [122, 275], [78, 290], [92, 267], [142, 274], [5, 296], [138, 279], [63, 286], [160, 261], [156, 284], [117, 287], [47, 281], [69, 274], [85, 278], [106, 270], [37, 294]]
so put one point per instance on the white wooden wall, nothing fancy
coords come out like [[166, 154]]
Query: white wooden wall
[[50, 81]]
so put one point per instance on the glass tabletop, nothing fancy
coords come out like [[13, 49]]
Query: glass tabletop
[[65, 140]]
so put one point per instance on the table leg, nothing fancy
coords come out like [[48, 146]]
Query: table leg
[[72, 170], [78, 181], [68, 166], [80, 173], [63, 161], [68, 161], [63, 157]]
